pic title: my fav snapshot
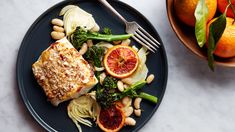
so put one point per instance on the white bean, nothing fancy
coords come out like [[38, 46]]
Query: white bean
[[126, 42], [137, 103], [135, 48], [99, 68], [126, 101], [83, 49], [57, 35], [96, 28], [150, 78], [125, 86], [128, 111], [58, 29], [102, 77], [57, 22], [120, 86], [130, 121], [117, 42], [137, 112]]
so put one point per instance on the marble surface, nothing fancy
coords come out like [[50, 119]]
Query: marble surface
[[196, 99]]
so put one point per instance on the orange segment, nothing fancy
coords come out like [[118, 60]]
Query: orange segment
[[121, 61], [111, 119]]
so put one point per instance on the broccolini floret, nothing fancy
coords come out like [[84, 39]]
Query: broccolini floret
[[106, 96], [94, 55], [80, 36]]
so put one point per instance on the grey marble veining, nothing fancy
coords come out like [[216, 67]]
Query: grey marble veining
[[196, 99]]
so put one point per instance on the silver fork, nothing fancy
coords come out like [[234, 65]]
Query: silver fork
[[139, 34]]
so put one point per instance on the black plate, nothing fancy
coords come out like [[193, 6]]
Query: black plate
[[38, 39]]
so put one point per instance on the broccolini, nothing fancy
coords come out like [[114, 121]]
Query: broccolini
[[80, 36]]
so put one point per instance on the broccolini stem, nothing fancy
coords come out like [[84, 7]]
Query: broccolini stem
[[109, 38], [148, 97], [138, 85], [131, 91]]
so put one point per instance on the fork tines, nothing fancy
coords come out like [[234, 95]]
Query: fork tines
[[144, 38]]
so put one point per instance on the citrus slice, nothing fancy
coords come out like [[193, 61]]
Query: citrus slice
[[121, 61], [111, 119]]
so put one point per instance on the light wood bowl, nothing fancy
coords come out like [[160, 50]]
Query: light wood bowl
[[187, 36]]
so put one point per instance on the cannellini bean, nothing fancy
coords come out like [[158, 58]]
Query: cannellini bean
[[57, 22], [57, 35], [125, 86], [128, 111], [150, 78], [89, 43], [126, 42], [102, 77], [137, 103], [58, 29], [130, 121], [117, 42], [135, 48], [83, 49], [120, 86], [126, 101], [137, 112], [99, 68], [96, 28]]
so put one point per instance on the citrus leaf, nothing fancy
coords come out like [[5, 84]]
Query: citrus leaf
[[216, 30], [201, 15]]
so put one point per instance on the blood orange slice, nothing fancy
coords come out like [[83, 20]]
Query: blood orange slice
[[111, 119], [121, 61]]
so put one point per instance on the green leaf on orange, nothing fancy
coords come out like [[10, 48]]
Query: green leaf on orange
[[216, 30], [201, 15]]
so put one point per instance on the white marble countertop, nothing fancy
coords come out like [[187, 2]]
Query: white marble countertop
[[196, 99]]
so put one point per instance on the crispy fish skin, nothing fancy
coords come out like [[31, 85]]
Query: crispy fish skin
[[63, 73]]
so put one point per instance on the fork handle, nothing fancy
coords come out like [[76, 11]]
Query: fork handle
[[105, 3]]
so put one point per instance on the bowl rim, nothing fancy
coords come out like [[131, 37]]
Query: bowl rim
[[224, 64]]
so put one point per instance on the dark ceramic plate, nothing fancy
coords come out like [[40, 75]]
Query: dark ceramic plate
[[38, 39]]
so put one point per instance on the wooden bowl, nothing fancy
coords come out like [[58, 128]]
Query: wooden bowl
[[187, 37]]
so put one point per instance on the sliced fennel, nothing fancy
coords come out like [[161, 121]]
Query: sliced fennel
[[83, 107], [65, 9], [104, 44], [142, 70], [75, 17]]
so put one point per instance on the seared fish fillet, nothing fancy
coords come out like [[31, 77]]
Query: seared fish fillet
[[63, 73]]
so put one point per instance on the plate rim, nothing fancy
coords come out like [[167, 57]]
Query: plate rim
[[20, 84]]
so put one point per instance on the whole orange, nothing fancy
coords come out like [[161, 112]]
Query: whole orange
[[185, 10], [222, 4], [225, 47]]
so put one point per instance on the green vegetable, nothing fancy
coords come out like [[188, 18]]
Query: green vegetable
[[110, 82], [97, 74], [104, 93], [201, 15], [107, 96], [148, 97], [131, 91], [216, 30], [94, 55], [80, 36], [107, 31]]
